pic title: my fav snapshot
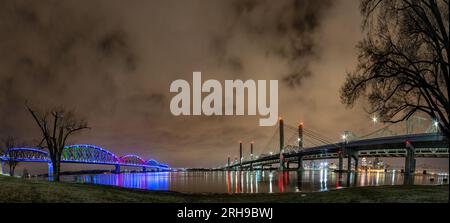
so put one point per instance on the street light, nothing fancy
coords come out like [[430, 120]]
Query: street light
[[374, 119], [436, 123]]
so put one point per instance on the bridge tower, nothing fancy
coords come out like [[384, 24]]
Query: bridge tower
[[341, 152], [300, 145], [281, 144], [410, 159], [251, 156], [240, 155], [228, 163]]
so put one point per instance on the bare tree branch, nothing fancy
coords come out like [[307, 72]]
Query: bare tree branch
[[63, 124], [403, 61]]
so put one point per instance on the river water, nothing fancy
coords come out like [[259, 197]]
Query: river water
[[253, 181]]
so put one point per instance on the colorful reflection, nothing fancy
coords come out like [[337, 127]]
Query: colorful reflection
[[145, 181], [254, 181]]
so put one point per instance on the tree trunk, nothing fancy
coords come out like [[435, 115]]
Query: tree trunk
[[56, 170], [11, 170]]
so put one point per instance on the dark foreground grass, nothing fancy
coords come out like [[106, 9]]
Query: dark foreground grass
[[19, 190]]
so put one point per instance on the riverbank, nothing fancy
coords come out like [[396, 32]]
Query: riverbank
[[20, 190]]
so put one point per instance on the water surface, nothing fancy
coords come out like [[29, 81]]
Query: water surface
[[252, 181]]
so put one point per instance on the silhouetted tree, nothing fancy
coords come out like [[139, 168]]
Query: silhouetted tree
[[403, 60], [9, 143], [56, 126]]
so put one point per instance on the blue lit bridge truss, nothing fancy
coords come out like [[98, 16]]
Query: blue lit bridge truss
[[84, 154]]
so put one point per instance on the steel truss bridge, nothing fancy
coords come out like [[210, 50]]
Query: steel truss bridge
[[82, 154], [431, 144]]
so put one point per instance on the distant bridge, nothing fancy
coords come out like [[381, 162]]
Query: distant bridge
[[408, 146], [83, 154]]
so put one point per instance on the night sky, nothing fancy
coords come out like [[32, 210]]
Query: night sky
[[113, 62]]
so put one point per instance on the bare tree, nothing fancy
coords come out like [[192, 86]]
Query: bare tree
[[9, 143], [403, 60], [56, 126]]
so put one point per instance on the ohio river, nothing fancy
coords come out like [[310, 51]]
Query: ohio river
[[252, 181]]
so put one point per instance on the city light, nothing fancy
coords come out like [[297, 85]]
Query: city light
[[374, 119], [435, 123]]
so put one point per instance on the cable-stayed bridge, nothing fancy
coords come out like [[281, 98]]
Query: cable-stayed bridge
[[414, 138]]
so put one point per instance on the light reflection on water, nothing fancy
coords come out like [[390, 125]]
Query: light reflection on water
[[252, 181]]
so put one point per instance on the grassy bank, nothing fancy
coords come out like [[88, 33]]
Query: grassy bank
[[18, 190]]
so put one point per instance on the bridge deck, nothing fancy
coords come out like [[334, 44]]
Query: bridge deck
[[428, 145]]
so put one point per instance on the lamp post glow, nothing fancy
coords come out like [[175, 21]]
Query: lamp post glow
[[345, 136], [374, 119], [436, 125]]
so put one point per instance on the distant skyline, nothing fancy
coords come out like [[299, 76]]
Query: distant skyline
[[114, 62]]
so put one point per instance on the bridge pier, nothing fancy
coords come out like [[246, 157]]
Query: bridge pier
[[144, 169], [352, 155], [341, 163], [251, 156], [281, 144], [410, 159], [356, 162], [117, 170], [300, 147], [349, 163], [300, 163], [50, 169], [240, 155]]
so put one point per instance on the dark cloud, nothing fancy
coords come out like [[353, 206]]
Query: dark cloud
[[60, 53], [114, 61], [285, 30]]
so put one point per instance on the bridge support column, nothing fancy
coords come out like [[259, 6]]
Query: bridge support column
[[410, 160], [349, 163], [240, 155], [251, 156], [341, 163], [117, 170], [281, 144], [287, 165], [352, 155], [144, 169], [300, 164], [50, 169], [355, 156]]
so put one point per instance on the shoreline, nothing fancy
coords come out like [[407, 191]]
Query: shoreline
[[15, 190]]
